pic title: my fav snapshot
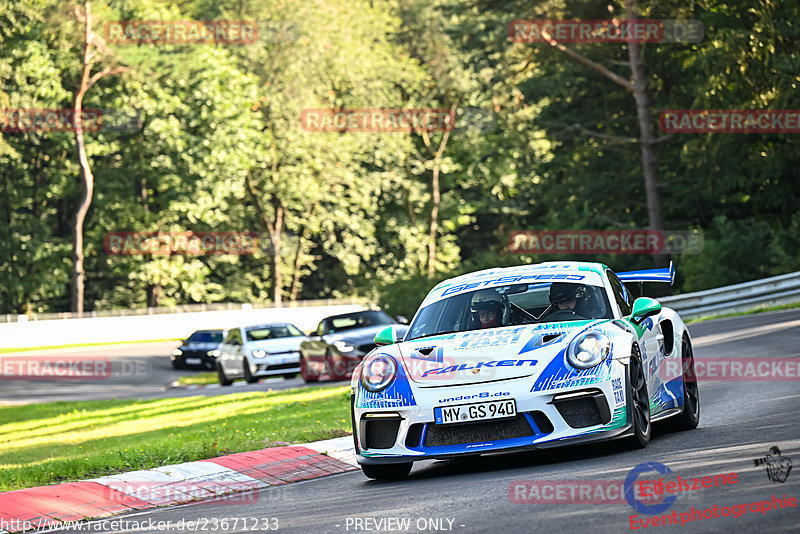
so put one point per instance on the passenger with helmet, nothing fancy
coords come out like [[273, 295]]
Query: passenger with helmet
[[487, 305]]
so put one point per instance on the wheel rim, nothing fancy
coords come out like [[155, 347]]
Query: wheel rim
[[641, 407], [689, 378]]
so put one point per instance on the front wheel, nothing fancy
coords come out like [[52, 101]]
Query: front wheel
[[223, 378], [638, 401], [248, 376], [690, 416], [386, 471]]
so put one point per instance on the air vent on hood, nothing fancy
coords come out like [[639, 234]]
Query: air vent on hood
[[546, 339]]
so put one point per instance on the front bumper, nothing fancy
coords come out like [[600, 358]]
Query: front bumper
[[194, 358], [388, 432], [275, 364]]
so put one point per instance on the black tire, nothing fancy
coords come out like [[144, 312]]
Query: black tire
[[386, 471], [638, 402], [223, 379], [690, 416], [248, 376], [209, 364], [176, 364], [289, 376]]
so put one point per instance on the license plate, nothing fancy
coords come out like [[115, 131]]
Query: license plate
[[479, 411], [193, 361]]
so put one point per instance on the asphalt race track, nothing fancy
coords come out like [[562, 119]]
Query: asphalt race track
[[740, 421], [138, 371]]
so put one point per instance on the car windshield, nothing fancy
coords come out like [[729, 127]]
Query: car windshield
[[260, 333], [205, 337], [514, 304], [357, 320]]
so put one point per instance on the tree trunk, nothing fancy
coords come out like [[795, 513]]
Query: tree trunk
[[298, 257], [277, 271], [92, 44], [78, 275], [638, 86], [275, 231], [646, 136], [435, 197]]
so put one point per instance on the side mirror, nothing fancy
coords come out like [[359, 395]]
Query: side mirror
[[387, 336], [402, 319], [644, 307]]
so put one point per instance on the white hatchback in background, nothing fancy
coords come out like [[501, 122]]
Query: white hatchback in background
[[258, 351]]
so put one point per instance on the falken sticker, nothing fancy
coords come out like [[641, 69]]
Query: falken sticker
[[491, 363]]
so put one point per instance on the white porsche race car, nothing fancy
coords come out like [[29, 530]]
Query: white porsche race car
[[525, 357]]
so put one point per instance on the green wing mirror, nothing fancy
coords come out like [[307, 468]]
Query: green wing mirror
[[387, 336], [644, 307]]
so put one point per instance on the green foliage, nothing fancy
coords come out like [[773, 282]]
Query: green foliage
[[357, 206]]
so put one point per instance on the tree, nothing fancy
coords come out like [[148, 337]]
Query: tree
[[92, 46]]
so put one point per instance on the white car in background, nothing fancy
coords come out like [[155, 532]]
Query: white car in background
[[258, 351]]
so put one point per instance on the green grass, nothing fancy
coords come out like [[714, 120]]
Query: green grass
[[751, 312], [73, 345], [199, 378], [65, 441]]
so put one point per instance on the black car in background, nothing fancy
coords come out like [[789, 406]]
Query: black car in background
[[198, 350], [340, 342]]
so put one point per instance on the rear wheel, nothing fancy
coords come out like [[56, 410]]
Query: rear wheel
[[223, 379], [638, 401], [248, 376], [387, 471], [289, 376], [690, 416]]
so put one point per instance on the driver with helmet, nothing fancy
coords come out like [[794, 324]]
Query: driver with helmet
[[488, 305], [565, 296]]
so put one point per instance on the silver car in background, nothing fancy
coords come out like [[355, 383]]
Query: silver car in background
[[258, 351]]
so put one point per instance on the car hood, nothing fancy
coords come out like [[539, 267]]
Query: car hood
[[356, 336], [487, 355], [281, 344], [200, 346]]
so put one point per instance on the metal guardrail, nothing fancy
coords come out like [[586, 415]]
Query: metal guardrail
[[748, 296], [184, 308]]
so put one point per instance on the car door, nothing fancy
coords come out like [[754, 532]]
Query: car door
[[314, 349], [651, 342], [231, 354]]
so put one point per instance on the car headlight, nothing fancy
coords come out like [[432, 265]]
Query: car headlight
[[343, 346], [377, 372], [177, 352], [214, 353], [588, 349], [259, 353]]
